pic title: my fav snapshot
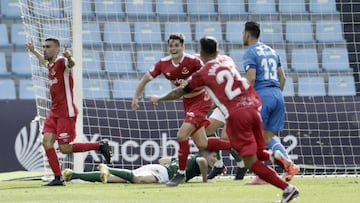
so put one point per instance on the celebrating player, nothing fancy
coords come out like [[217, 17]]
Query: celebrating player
[[177, 67], [60, 123], [239, 103], [150, 173], [264, 71]]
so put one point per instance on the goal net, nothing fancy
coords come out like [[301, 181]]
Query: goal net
[[121, 40]]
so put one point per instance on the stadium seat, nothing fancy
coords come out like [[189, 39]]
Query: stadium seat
[[237, 56], [109, 9], [329, 31], [323, 7], [262, 7], [3, 67], [157, 86], [86, 7], [118, 62], [180, 27], [124, 88], [231, 8], [10, 9], [47, 8], [60, 31], [8, 90], [146, 59], [341, 86], [271, 32], [311, 86], [117, 34], [26, 89], [283, 59], [304, 60], [18, 35], [289, 90], [233, 34], [201, 8], [91, 35], [335, 60], [299, 32], [96, 89], [139, 9], [91, 64], [170, 9], [4, 39], [20, 64], [212, 28], [147, 33], [294, 7]]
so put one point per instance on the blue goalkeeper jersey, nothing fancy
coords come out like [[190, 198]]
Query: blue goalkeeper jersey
[[266, 61]]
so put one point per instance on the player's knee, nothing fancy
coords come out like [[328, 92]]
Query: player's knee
[[65, 148]]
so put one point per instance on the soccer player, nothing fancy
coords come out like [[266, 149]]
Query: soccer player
[[264, 71], [59, 125], [239, 103], [178, 67], [150, 173]]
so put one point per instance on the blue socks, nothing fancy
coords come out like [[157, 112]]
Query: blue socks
[[275, 145]]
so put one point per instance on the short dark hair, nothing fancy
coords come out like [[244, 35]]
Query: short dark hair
[[177, 36], [253, 28], [209, 45], [56, 41]]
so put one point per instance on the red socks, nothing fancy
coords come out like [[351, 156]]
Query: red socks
[[53, 161], [85, 146], [184, 151], [215, 143], [268, 174]]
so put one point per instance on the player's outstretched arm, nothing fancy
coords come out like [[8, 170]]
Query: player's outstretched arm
[[30, 46], [203, 166], [139, 90], [172, 95], [164, 160]]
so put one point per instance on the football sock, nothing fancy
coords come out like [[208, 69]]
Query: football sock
[[87, 176], [235, 155], [85, 146], [53, 161], [215, 143], [263, 155], [122, 173], [268, 174], [275, 145], [184, 150]]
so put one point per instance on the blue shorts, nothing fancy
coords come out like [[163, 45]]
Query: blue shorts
[[273, 108]]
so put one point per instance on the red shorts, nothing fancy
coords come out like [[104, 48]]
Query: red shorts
[[64, 128], [244, 128], [196, 109]]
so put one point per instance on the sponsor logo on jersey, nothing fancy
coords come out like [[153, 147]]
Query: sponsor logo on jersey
[[52, 72]]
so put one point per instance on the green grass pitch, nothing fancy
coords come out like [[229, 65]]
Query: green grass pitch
[[222, 190]]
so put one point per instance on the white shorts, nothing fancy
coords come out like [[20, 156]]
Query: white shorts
[[157, 170], [216, 114]]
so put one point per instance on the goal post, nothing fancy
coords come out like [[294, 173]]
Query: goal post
[[116, 42]]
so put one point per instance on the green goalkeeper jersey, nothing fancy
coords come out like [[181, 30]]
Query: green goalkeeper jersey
[[192, 168]]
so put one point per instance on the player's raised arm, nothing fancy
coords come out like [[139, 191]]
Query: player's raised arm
[[67, 54], [30, 46]]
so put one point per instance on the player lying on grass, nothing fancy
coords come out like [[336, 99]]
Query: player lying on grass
[[149, 173]]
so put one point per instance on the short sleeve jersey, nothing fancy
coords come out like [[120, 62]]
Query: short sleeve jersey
[[61, 89], [266, 62], [176, 73], [228, 90], [192, 168]]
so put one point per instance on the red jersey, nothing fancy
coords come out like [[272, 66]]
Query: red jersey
[[176, 73], [61, 89], [225, 86]]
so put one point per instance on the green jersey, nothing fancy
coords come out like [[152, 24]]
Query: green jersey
[[192, 168]]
